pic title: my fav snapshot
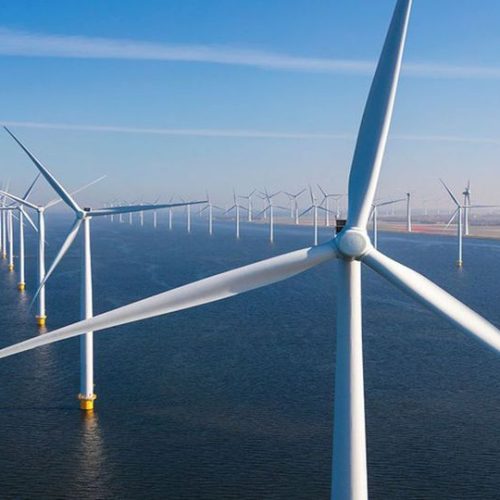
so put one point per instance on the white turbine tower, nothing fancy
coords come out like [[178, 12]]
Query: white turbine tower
[[375, 208], [249, 206], [83, 217], [270, 206], [467, 203], [326, 201], [314, 207], [236, 207], [21, 285], [408, 213], [210, 207], [351, 247], [41, 316], [294, 204], [459, 214]]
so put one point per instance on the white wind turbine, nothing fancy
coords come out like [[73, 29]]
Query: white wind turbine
[[408, 213], [375, 207], [351, 248], [83, 217], [210, 207], [270, 207], [236, 207], [23, 215], [326, 201], [294, 204], [249, 206], [466, 194], [459, 214], [41, 316], [314, 207]]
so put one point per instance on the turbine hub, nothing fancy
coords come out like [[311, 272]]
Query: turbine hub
[[353, 242]]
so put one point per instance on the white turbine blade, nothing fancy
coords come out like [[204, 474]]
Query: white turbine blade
[[215, 288], [374, 129], [452, 218], [307, 210], [457, 203], [383, 204], [311, 195], [58, 200], [28, 218], [481, 206], [430, 295], [30, 189], [322, 191], [18, 199], [62, 251], [48, 176], [228, 210], [139, 208]]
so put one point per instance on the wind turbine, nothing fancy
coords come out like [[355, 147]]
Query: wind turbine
[[408, 213], [269, 198], [351, 248], [237, 208], [314, 207], [466, 194], [41, 316], [375, 208], [210, 207], [22, 215], [459, 213], [250, 207], [326, 201], [294, 205], [83, 217]]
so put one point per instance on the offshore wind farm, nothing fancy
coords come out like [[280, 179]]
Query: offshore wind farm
[[276, 328]]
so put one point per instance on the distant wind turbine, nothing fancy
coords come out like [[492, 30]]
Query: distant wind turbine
[[294, 204], [375, 208]]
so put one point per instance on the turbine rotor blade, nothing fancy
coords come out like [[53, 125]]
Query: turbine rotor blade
[[28, 218], [374, 129], [58, 200], [433, 297], [30, 189], [48, 176], [62, 251], [457, 203], [452, 217], [205, 291], [19, 200], [139, 208]]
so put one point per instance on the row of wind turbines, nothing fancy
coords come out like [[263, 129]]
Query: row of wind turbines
[[350, 248]]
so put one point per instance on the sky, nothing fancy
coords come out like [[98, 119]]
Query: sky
[[176, 97]]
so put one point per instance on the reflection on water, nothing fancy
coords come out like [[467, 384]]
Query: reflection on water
[[234, 399]]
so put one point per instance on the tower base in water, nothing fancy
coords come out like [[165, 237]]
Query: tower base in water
[[11, 268], [460, 263], [86, 402], [21, 287], [41, 320]]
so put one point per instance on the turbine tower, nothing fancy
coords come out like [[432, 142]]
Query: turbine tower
[[351, 248], [375, 208], [466, 195], [294, 204]]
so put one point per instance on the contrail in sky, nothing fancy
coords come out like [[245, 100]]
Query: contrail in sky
[[242, 134], [26, 44]]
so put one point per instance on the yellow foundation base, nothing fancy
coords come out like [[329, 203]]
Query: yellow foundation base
[[21, 287], [11, 267], [40, 320], [460, 263], [4, 256], [86, 402]]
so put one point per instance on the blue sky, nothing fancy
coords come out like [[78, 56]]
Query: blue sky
[[201, 94]]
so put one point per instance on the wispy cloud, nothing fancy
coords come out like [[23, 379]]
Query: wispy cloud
[[243, 134], [25, 44]]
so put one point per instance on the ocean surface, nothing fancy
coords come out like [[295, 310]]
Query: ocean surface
[[234, 400]]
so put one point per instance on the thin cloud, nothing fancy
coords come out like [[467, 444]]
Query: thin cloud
[[25, 44], [242, 134]]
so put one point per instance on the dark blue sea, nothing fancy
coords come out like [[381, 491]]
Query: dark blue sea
[[234, 400]]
